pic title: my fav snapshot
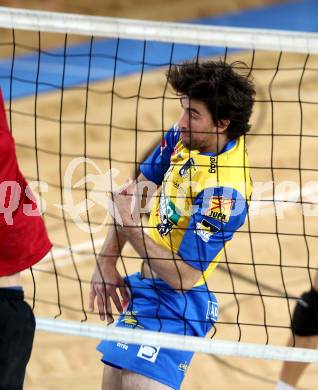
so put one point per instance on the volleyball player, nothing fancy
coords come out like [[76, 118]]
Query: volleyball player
[[23, 242], [202, 173], [305, 335]]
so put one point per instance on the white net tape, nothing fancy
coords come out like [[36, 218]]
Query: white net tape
[[159, 31], [187, 343]]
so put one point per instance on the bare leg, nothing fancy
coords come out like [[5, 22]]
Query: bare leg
[[112, 378], [291, 371], [133, 381]]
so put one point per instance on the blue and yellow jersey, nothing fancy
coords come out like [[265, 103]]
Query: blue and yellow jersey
[[203, 199]]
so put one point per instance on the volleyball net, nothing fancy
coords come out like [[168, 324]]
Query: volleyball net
[[87, 100]]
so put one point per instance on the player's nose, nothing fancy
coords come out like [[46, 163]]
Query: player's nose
[[184, 121]]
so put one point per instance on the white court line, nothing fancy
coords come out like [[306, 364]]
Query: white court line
[[63, 257], [83, 246]]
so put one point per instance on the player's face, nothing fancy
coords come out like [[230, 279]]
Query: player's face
[[197, 129]]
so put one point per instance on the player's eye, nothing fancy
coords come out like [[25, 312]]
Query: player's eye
[[194, 115]]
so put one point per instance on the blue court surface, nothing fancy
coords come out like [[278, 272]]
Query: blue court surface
[[95, 62]]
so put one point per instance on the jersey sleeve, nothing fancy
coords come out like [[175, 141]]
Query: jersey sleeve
[[156, 165], [218, 213]]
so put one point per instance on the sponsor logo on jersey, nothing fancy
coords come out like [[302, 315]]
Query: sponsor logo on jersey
[[168, 210], [163, 145], [179, 187], [186, 167], [213, 166], [219, 208], [183, 366], [212, 311], [122, 346], [174, 152], [169, 215], [205, 230], [165, 227], [148, 352], [130, 320]]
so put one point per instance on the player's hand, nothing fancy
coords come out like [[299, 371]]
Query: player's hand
[[104, 288]]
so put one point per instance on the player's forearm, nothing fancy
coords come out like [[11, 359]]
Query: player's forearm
[[167, 265], [112, 246], [115, 239]]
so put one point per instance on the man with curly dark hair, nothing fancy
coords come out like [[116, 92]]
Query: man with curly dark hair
[[201, 170]]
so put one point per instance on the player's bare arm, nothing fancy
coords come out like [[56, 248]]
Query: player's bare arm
[[163, 262], [107, 284]]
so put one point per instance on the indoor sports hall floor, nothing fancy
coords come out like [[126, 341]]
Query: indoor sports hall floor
[[65, 362]]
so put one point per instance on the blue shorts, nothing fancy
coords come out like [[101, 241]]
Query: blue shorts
[[156, 306]]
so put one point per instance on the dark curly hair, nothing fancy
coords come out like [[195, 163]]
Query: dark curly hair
[[227, 93]]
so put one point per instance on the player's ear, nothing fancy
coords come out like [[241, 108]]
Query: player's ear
[[223, 125]]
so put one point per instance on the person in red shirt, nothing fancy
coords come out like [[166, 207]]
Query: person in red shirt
[[23, 242]]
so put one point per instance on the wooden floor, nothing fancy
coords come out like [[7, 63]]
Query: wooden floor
[[65, 362]]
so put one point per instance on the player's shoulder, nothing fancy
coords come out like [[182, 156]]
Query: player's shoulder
[[223, 205], [173, 134], [235, 149]]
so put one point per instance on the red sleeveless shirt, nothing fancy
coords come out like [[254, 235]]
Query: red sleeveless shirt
[[23, 237]]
